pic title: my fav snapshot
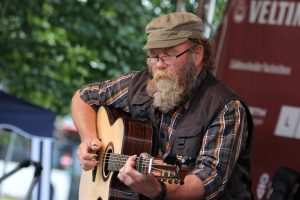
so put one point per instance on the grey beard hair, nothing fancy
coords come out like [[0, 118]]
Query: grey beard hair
[[169, 91], [167, 96]]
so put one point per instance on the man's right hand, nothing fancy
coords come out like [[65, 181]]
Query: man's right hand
[[87, 153]]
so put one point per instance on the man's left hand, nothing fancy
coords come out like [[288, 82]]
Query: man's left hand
[[145, 184]]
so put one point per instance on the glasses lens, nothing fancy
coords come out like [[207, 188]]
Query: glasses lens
[[152, 61], [169, 60]]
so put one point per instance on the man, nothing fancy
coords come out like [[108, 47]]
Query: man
[[194, 115]]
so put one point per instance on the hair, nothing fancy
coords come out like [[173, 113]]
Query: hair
[[208, 61]]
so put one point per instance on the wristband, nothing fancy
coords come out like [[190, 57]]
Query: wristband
[[163, 192]]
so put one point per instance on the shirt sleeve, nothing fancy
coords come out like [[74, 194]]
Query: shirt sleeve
[[223, 142], [112, 92]]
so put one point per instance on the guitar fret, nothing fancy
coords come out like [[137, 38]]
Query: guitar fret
[[150, 165], [116, 162]]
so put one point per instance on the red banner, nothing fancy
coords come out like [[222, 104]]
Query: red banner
[[259, 57]]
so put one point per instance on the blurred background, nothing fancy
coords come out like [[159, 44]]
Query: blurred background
[[50, 48]]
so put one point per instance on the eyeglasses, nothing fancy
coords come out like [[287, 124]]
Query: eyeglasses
[[169, 60]]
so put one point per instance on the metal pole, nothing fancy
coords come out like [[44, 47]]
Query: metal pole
[[35, 156], [180, 6], [210, 17], [9, 152], [200, 8]]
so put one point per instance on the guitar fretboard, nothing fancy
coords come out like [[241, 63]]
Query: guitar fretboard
[[115, 162]]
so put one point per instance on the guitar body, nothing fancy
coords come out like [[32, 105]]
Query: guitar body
[[120, 135]]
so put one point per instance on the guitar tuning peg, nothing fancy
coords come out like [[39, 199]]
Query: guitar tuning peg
[[170, 181], [176, 181]]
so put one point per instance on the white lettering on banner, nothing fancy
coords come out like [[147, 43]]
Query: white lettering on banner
[[288, 124], [262, 185], [257, 111], [258, 115], [278, 13], [266, 68]]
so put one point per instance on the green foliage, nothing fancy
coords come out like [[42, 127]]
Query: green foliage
[[218, 14], [50, 48]]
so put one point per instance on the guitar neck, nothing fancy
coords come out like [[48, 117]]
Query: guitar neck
[[116, 161], [162, 171]]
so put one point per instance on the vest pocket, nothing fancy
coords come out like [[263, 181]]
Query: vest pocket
[[139, 107], [188, 141]]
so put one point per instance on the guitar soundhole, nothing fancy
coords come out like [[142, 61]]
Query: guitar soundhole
[[106, 160]]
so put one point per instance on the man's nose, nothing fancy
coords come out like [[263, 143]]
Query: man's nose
[[161, 64]]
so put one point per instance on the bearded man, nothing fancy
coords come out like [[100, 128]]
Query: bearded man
[[194, 115]]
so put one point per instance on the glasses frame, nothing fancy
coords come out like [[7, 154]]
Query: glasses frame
[[170, 57]]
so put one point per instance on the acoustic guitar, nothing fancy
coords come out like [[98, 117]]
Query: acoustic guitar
[[122, 136]]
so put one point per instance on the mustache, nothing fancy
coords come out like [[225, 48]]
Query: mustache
[[168, 76], [159, 80], [164, 74]]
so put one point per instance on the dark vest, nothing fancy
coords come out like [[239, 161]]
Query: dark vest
[[208, 99]]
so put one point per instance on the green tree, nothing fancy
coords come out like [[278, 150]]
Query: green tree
[[50, 48]]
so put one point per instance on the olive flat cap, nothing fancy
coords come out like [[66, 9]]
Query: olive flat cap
[[173, 29]]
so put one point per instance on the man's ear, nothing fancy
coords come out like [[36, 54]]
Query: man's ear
[[198, 56]]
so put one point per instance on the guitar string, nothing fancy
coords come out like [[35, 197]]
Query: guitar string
[[171, 173], [143, 165], [122, 162], [118, 157], [114, 159], [165, 173]]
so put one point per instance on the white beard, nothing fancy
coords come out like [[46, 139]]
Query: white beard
[[167, 95]]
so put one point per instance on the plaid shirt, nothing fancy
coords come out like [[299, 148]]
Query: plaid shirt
[[222, 142]]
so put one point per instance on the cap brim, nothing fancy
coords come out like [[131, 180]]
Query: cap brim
[[157, 44]]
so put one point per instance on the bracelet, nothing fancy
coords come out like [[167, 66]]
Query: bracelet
[[163, 192]]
